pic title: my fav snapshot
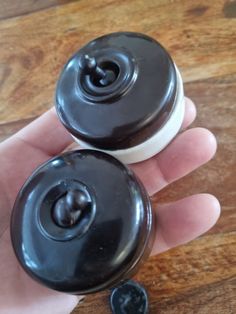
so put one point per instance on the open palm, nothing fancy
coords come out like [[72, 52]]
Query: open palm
[[44, 138]]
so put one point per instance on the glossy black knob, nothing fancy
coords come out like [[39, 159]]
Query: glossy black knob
[[117, 91], [68, 208], [82, 223], [98, 76], [129, 298]]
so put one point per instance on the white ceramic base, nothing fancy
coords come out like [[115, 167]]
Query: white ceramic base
[[158, 141]]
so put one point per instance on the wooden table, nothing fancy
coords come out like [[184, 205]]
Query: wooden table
[[37, 37]]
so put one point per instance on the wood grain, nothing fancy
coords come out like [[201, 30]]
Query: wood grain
[[34, 47], [185, 279], [196, 278], [12, 8]]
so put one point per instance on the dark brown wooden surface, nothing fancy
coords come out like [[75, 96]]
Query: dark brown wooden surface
[[37, 37], [14, 8]]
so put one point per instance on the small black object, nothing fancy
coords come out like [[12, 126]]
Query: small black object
[[129, 298], [117, 91], [69, 208], [82, 223], [98, 76]]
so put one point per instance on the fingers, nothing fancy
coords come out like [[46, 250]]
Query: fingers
[[184, 220], [190, 113], [188, 151], [148, 170], [46, 134]]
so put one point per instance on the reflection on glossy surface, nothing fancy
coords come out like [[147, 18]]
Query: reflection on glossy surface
[[82, 259], [129, 298], [129, 110]]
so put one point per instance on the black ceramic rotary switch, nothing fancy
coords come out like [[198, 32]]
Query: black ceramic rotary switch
[[123, 94], [82, 222]]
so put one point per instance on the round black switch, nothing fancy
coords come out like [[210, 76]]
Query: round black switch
[[117, 91], [82, 223]]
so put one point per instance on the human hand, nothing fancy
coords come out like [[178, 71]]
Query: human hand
[[178, 222]]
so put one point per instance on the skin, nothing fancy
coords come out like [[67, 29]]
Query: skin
[[178, 222]]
